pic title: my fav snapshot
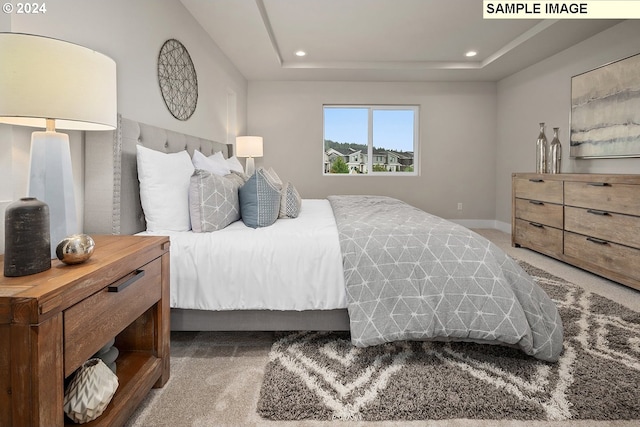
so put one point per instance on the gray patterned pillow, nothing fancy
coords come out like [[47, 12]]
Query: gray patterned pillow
[[290, 202], [259, 201], [213, 202]]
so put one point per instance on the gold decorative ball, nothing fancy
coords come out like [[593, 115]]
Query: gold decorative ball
[[75, 249]]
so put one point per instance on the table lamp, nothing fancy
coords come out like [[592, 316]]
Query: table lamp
[[249, 147], [49, 83]]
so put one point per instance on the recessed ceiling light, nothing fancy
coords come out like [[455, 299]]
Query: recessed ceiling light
[[301, 53], [471, 53]]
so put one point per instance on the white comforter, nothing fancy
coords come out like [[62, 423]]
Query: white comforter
[[295, 264]]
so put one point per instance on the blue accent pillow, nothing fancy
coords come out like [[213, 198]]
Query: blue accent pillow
[[259, 201]]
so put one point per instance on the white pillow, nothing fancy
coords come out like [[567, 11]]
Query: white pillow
[[234, 164], [164, 188], [215, 163]]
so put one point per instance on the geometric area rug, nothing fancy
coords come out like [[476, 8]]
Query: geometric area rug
[[321, 376]]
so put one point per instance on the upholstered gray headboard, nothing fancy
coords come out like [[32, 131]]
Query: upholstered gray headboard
[[112, 194]]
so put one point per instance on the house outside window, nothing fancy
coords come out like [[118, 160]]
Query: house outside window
[[370, 140]]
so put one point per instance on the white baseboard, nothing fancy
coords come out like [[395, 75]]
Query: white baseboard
[[503, 226], [484, 223]]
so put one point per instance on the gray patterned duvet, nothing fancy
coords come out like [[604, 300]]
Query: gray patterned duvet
[[413, 276]]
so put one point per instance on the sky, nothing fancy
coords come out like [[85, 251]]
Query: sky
[[392, 129]]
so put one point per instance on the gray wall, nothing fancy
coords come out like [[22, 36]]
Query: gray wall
[[473, 135], [6, 193], [542, 93], [130, 32], [457, 141]]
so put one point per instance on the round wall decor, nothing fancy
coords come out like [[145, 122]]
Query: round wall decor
[[177, 79]]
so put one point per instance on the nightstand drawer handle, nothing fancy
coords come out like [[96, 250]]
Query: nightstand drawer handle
[[118, 288], [597, 212], [599, 184], [536, 202], [536, 179], [536, 224], [598, 241]]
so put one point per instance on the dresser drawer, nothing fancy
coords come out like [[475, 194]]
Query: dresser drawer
[[541, 238], [105, 314], [618, 228], [611, 197], [540, 212], [538, 189], [608, 256]]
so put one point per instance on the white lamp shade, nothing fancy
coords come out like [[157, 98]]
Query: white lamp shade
[[50, 84], [249, 146], [43, 78]]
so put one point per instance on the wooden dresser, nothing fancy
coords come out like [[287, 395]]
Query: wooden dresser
[[51, 322], [591, 221]]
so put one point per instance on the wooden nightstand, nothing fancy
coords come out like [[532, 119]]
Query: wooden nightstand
[[51, 322]]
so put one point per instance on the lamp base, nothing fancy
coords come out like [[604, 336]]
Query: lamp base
[[250, 167], [51, 181]]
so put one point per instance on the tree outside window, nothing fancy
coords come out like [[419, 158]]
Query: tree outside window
[[370, 139]]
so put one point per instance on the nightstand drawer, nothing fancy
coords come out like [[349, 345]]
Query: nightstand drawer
[[538, 189], [540, 212], [608, 256], [107, 313], [620, 198], [538, 237], [604, 225]]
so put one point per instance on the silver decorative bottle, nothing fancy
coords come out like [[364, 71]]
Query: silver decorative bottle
[[555, 153], [541, 151]]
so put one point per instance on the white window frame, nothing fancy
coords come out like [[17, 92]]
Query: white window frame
[[370, 162]]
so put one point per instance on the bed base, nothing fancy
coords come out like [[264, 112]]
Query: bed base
[[259, 320]]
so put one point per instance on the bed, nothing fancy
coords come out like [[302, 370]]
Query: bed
[[112, 206], [335, 267]]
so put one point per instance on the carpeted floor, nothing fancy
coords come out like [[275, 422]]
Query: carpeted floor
[[216, 377], [319, 375]]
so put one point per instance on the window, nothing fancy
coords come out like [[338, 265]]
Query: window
[[370, 140]]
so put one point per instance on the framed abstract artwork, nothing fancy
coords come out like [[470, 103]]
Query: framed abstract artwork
[[605, 111]]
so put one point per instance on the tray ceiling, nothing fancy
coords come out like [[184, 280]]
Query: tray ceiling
[[383, 40]]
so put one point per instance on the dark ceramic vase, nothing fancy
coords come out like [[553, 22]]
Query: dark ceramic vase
[[27, 247]]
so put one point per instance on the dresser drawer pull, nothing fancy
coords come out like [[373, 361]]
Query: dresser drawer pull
[[597, 212], [599, 184], [536, 179], [536, 202], [536, 224], [598, 241], [118, 288]]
